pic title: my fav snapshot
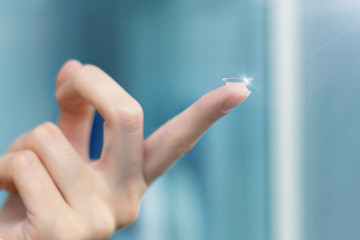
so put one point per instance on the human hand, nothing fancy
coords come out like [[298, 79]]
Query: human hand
[[60, 193]]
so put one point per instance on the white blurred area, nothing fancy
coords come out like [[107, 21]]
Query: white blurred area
[[316, 119], [286, 121]]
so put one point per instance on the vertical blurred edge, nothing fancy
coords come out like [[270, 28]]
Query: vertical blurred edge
[[286, 114]]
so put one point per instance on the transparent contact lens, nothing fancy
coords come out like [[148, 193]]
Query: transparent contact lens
[[240, 84], [237, 81]]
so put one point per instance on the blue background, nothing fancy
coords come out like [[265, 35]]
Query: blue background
[[332, 119], [166, 54]]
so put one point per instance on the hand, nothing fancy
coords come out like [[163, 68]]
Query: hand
[[58, 193]]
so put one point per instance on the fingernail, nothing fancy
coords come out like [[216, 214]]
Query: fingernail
[[235, 100]]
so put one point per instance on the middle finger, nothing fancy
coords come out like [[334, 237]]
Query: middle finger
[[123, 130]]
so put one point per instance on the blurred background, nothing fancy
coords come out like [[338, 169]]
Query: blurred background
[[167, 53], [331, 32]]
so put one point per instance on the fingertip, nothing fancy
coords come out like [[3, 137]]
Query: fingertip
[[66, 70], [223, 99], [240, 90], [23, 161], [234, 100], [181, 133]]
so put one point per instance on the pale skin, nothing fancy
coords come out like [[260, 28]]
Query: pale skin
[[56, 192]]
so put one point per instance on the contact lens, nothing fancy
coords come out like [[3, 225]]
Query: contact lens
[[237, 81]]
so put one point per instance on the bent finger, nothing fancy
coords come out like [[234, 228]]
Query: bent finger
[[75, 117], [180, 134], [34, 184], [72, 175], [123, 140]]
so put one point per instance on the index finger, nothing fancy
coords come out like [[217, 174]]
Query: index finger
[[180, 134]]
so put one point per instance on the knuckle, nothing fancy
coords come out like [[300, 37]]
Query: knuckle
[[128, 216], [130, 116], [23, 159], [128, 211], [80, 75], [132, 215], [44, 133], [103, 226], [105, 232]]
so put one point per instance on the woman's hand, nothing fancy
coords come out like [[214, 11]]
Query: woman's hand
[[58, 193]]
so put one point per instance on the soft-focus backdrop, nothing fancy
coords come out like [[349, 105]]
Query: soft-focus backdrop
[[166, 54], [332, 119]]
